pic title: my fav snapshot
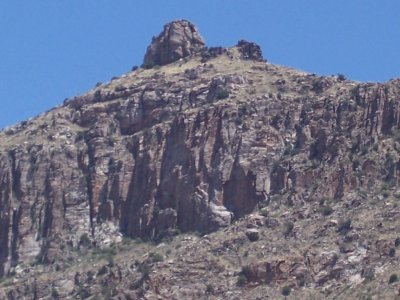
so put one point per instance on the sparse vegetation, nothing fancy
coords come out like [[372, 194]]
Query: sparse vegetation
[[222, 94], [155, 257], [369, 274], [392, 252], [264, 211], [242, 280], [54, 293], [344, 226], [341, 77], [393, 278], [289, 226], [317, 85], [84, 240], [326, 210], [286, 290], [143, 268]]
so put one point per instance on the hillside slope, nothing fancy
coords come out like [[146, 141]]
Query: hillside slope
[[215, 176]]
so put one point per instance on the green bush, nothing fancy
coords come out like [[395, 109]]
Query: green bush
[[222, 94], [264, 212], [286, 290], [155, 257]]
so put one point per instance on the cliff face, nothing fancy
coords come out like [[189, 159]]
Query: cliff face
[[192, 146]]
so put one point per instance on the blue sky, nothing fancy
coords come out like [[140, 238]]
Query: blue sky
[[51, 50]]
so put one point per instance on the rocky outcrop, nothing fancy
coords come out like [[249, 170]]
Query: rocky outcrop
[[179, 39], [157, 154], [162, 151], [250, 50]]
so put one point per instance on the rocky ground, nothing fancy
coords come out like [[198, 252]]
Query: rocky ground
[[208, 173]]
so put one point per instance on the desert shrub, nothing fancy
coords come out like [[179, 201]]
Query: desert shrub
[[144, 268], [110, 261], [344, 226], [301, 282], [317, 85], [242, 280], [289, 225], [288, 150], [222, 94], [209, 289], [335, 258], [102, 271], [326, 210], [54, 293], [341, 77], [80, 136], [364, 149], [286, 291], [97, 96], [246, 271], [392, 252], [369, 274], [252, 91], [264, 212], [155, 257], [82, 292], [84, 240], [354, 92], [397, 242], [393, 278], [385, 189]]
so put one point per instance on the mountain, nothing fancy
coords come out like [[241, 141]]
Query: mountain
[[208, 173]]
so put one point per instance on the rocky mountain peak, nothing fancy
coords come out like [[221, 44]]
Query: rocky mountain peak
[[179, 39], [222, 176]]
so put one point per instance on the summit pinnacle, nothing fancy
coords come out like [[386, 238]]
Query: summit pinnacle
[[178, 39]]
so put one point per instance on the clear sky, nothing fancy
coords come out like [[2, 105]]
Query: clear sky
[[54, 49]]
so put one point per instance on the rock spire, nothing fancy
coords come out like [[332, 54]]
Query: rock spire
[[178, 39]]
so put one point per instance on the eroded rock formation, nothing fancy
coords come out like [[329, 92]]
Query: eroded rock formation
[[179, 39]]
